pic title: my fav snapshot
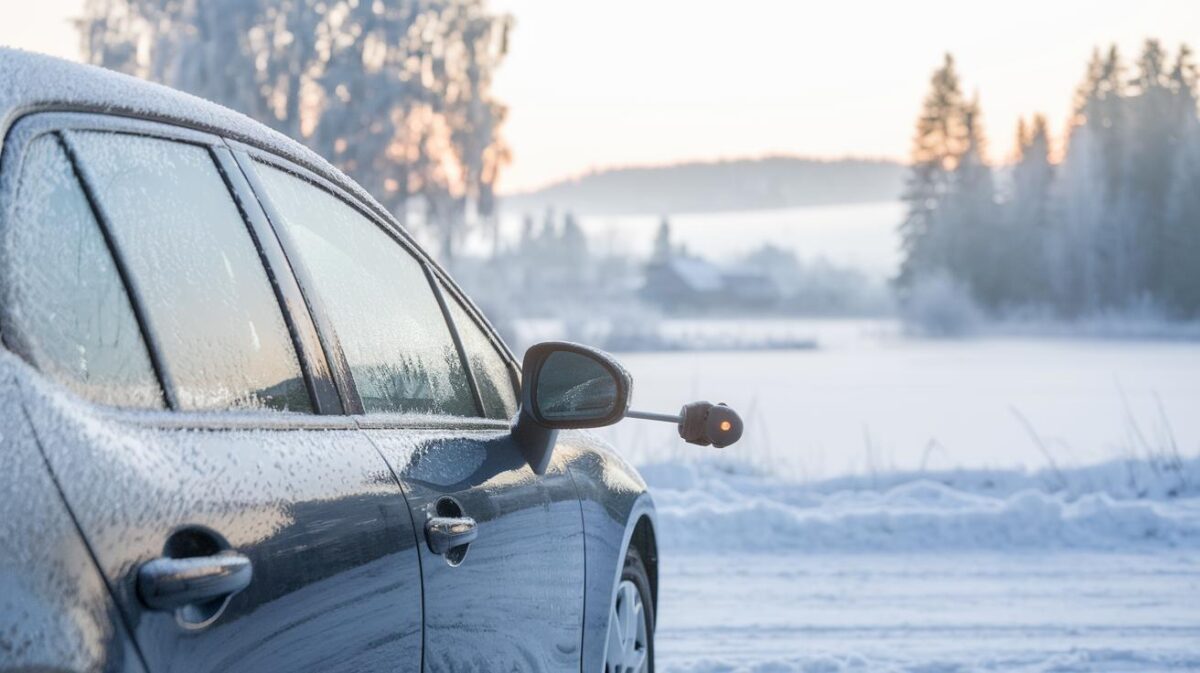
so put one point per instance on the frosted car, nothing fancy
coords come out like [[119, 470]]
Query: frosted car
[[247, 424]]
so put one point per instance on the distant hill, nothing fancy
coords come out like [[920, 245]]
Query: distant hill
[[741, 184]]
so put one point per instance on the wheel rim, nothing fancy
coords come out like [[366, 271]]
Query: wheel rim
[[627, 632]]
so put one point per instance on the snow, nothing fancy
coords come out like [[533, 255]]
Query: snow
[[868, 400], [924, 512], [925, 613], [887, 510], [944, 571]]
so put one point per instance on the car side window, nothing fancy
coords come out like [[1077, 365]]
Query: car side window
[[376, 294], [195, 270], [492, 374], [65, 309]]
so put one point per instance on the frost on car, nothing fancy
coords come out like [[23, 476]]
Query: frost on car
[[248, 424]]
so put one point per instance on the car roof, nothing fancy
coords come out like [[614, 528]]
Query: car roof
[[33, 82]]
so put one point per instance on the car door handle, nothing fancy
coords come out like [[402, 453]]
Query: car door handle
[[444, 533], [170, 583]]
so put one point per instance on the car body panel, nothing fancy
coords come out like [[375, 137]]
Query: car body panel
[[515, 602], [336, 578], [613, 500], [55, 610]]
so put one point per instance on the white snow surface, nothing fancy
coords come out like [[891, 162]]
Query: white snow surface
[[1088, 569], [1119, 505]]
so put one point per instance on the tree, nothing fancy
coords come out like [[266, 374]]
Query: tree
[[662, 242], [967, 220], [1028, 221], [1181, 268], [396, 94], [939, 142], [1151, 143]]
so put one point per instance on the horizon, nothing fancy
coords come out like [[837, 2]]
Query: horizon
[[661, 96]]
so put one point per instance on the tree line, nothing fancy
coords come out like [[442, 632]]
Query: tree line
[[396, 94], [1110, 224]]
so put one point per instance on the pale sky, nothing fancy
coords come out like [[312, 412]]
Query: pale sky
[[619, 82]]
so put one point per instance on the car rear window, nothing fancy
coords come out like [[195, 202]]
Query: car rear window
[[196, 272], [376, 294], [64, 307]]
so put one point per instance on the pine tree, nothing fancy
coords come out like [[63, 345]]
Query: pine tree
[[1151, 144], [967, 221], [1092, 259], [1027, 227], [938, 144], [662, 242], [1181, 264]]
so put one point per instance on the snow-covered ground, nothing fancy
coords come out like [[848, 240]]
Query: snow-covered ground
[[1000, 504], [991, 611], [868, 400], [1094, 569]]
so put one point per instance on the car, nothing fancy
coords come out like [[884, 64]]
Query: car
[[248, 424]]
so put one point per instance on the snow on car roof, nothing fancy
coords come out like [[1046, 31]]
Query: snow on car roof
[[32, 82]]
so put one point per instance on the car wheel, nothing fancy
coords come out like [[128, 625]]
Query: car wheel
[[631, 621]]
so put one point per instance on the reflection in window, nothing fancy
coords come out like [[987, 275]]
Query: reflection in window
[[210, 305], [386, 316], [64, 306], [491, 370]]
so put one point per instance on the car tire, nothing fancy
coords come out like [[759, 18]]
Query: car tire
[[630, 644]]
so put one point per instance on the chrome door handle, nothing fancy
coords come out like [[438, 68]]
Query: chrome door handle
[[444, 533], [171, 583]]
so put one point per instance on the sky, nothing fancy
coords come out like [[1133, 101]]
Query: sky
[[634, 82]]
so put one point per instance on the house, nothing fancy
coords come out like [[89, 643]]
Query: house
[[678, 283]]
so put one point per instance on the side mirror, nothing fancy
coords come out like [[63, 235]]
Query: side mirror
[[566, 385], [574, 386]]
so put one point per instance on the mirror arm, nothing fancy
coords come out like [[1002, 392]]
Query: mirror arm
[[535, 441], [652, 416]]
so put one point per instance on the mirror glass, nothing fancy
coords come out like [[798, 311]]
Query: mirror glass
[[574, 387]]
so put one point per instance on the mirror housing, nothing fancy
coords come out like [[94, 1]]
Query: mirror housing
[[566, 385]]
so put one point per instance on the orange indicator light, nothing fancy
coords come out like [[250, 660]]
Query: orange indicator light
[[725, 426]]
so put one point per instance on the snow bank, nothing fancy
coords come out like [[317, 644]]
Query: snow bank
[[1118, 505]]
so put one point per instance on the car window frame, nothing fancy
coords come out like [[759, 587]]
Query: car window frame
[[437, 279], [323, 394]]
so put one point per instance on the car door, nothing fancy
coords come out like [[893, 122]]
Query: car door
[[190, 423], [435, 394]]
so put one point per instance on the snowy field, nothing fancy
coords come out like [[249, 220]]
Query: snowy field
[[868, 400], [992, 504]]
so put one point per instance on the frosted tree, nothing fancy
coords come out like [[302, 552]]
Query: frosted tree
[[938, 144], [397, 94], [662, 251], [1027, 246], [1096, 266], [966, 221], [1181, 262], [1151, 144]]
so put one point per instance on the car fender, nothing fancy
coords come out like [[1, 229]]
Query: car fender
[[617, 511]]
